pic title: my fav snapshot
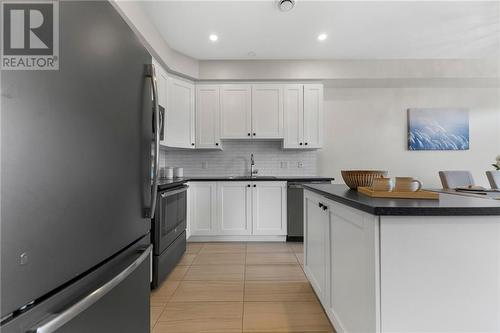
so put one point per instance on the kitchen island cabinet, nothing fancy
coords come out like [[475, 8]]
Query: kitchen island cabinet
[[380, 265]]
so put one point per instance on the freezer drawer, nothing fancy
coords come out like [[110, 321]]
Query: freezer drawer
[[114, 298]]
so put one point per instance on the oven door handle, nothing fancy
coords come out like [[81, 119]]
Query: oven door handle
[[174, 192]]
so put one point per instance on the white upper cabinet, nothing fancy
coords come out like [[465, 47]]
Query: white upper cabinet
[[208, 116], [161, 83], [313, 115], [179, 123], [269, 208], [292, 112], [303, 114], [293, 105], [235, 111], [267, 111]]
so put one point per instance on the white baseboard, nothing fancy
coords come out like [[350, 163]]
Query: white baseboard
[[237, 239]]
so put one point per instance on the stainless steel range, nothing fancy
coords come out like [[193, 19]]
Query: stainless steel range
[[168, 231]]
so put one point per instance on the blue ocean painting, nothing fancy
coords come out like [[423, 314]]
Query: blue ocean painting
[[438, 129]]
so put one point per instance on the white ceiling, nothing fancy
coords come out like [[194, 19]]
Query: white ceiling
[[356, 29]]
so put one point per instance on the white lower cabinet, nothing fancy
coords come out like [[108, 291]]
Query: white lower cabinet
[[234, 202], [269, 208], [237, 208], [341, 262], [353, 269], [316, 244], [402, 273], [203, 208]]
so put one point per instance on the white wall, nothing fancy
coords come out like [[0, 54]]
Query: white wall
[[348, 69], [137, 19], [367, 129]]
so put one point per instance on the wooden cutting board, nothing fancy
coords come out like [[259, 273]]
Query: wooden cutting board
[[399, 195]]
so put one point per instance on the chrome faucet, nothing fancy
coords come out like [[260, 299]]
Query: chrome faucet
[[253, 171]]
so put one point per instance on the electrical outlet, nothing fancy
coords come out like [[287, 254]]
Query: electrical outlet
[[300, 164], [204, 165], [284, 164]]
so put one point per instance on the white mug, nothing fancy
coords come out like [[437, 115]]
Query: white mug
[[407, 184], [382, 184]]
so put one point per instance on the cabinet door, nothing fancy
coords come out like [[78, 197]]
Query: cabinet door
[[203, 208], [234, 202], [313, 115], [267, 111], [269, 208], [353, 269], [236, 111], [207, 116], [293, 111], [179, 123], [316, 232]]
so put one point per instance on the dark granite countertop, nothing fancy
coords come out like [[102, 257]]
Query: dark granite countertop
[[447, 205], [169, 183]]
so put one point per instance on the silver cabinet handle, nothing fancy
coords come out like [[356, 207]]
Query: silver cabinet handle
[[151, 73], [57, 320]]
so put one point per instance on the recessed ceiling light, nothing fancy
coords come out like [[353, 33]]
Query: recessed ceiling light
[[252, 54], [286, 5], [213, 37], [322, 37]]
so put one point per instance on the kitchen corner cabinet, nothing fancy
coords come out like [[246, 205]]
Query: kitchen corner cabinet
[[237, 208], [207, 117], [303, 116], [179, 114], [236, 111]]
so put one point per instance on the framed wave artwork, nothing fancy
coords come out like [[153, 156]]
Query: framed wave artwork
[[438, 129]]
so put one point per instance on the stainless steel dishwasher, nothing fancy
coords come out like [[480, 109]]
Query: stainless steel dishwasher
[[295, 209]]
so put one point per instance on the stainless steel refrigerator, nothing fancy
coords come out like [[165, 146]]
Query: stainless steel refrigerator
[[78, 159]]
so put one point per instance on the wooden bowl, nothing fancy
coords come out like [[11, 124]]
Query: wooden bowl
[[356, 178]]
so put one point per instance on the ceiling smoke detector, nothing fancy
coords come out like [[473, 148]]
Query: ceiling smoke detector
[[286, 5]]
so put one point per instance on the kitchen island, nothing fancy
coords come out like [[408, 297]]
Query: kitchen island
[[403, 265]]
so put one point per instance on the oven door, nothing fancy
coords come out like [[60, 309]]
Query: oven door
[[170, 218]]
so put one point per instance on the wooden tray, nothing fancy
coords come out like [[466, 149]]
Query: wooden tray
[[399, 195]]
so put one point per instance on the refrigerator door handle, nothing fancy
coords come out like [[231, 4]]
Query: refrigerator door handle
[[57, 320], [151, 73]]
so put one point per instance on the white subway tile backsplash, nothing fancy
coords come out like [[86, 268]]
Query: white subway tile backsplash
[[235, 160]]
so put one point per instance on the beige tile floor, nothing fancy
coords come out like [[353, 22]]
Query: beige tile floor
[[238, 287]]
